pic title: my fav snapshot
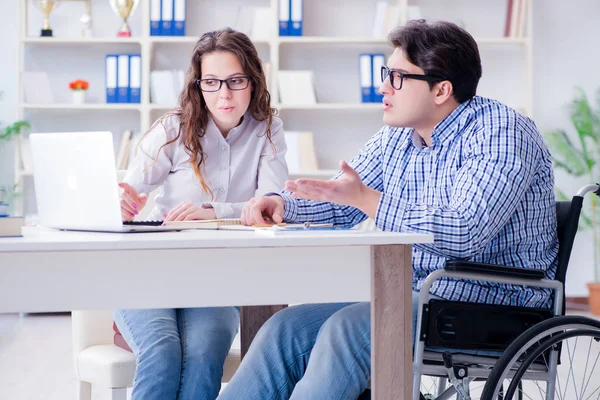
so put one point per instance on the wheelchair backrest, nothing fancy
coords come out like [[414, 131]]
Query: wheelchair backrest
[[567, 217]]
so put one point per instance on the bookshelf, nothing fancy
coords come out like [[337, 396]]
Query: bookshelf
[[330, 49]]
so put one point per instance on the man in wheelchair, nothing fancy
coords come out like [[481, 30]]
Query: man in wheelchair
[[469, 170]]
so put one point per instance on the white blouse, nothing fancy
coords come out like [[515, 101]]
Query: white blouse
[[235, 168]]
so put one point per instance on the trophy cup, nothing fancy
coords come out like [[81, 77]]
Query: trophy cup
[[124, 8], [46, 6]]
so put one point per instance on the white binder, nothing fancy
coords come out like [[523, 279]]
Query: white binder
[[366, 77], [135, 78], [123, 78]]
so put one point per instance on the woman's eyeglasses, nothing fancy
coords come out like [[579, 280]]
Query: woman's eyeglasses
[[214, 84], [397, 77]]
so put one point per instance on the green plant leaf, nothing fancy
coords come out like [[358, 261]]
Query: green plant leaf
[[13, 130], [565, 154], [582, 115]]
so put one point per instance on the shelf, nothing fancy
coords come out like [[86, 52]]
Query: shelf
[[368, 40], [88, 106], [92, 40], [189, 39], [332, 106], [161, 107], [330, 40]]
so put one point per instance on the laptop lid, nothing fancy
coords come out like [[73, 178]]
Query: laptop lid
[[75, 180]]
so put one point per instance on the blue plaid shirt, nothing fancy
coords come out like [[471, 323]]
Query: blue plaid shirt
[[484, 189]]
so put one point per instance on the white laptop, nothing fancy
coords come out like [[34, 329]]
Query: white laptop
[[76, 183]]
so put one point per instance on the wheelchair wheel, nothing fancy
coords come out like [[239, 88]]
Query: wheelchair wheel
[[557, 358]]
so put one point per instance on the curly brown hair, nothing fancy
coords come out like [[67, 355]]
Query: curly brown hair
[[193, 113]]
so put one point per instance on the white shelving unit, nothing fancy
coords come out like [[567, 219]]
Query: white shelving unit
[[340, 112]]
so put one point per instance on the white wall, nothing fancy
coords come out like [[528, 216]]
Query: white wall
[[565, 55]]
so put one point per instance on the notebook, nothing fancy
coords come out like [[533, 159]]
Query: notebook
[[223, 224]]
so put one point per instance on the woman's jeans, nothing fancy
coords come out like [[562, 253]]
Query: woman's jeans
[[179, 352], [309, 352]]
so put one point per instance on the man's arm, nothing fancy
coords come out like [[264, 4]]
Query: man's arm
[[365, 170]]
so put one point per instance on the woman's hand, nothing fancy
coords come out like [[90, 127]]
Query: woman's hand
[[189, 212], [131, 202]]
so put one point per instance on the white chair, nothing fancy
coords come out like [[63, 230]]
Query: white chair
[[98, 362]]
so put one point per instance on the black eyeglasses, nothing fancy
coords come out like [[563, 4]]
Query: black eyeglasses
[[214, 84], [397, 77]]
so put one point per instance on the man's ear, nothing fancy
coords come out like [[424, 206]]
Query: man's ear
[[443, 92]]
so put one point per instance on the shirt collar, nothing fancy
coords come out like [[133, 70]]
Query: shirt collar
[[212, 127], [443, 132], [446, 129]]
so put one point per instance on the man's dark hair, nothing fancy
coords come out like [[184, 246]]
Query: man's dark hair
[[442, 49]]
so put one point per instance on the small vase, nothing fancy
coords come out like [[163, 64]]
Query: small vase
[[594, 298], [78, 96]]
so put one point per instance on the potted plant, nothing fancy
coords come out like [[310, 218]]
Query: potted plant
[[8, 194], [78, 88], [582, 159]]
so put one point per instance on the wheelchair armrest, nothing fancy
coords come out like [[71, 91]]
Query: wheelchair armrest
[[493, 270]]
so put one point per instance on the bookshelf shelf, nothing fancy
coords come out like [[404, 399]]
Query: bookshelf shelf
[[188, 39], [79, 41], [329, 40], [331, 106], [86, 106]]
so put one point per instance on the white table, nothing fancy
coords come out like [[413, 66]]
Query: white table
[[49, 270]]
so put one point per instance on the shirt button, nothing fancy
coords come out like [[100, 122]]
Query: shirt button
[[224, 148], [221, 190]]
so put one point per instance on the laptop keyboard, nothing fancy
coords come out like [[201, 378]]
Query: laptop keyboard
[[143, 223]]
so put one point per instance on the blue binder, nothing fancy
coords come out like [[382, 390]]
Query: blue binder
[[295, 24], [284, 17], [378, 60], [123, 78], [155, 21], [366, 77], [166, 17], [110, 74], [135, 78], [179, 18]]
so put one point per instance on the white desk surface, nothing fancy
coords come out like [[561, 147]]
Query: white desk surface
[[43, 239]]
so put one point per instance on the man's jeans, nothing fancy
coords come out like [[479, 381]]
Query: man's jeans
[[180, 352], [309, 352]]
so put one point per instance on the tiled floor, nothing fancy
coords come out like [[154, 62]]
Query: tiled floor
[[36, 359]]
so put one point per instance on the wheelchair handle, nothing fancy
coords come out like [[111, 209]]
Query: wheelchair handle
[[589, 188]]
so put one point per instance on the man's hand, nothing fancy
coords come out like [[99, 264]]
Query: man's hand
[[263, 210], [189, 212], [348, 190], [131, 202]]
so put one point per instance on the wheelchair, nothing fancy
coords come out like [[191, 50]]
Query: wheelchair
[[507, 352]]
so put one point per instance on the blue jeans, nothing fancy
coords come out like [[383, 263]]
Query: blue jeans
[[179, 352], [309, 352]]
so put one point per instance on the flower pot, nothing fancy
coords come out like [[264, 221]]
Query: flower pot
[[594, 298], [78, 96]]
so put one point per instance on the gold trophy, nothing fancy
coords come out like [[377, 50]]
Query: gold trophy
[[124, 8], [46, 6]]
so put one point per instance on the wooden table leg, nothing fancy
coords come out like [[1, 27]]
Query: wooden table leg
[[391, 322], [251, 319]]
